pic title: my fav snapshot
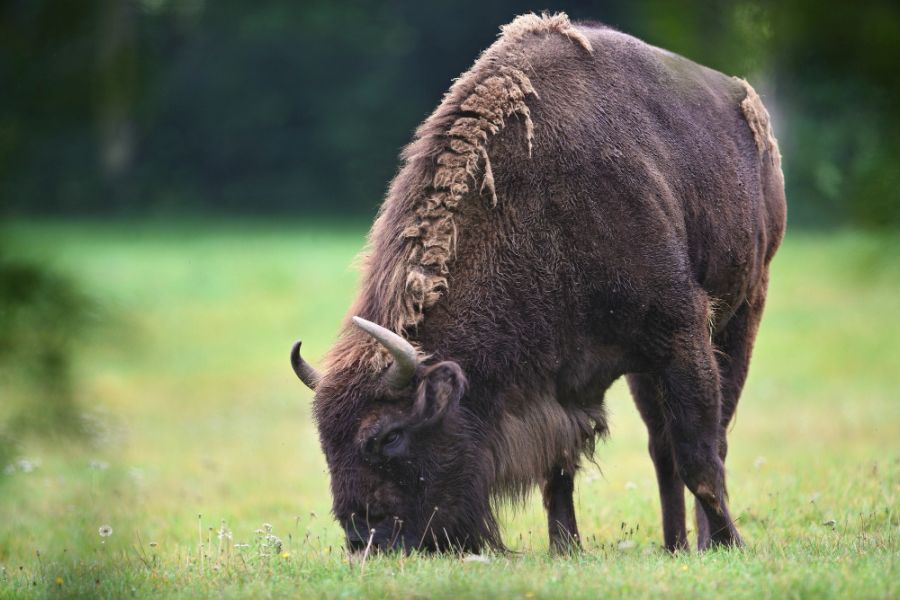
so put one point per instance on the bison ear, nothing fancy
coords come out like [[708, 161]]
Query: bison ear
[[440, 390]]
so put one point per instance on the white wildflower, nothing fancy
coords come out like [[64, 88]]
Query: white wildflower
[[477, 558], [224, 532], [274, 542]]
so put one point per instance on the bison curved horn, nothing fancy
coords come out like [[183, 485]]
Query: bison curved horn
[[305, 371], [405, 360]]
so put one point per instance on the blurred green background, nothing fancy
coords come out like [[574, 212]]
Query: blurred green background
[[183, 187], [172, 107]]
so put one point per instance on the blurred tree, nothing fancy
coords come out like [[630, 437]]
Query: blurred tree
[[43, 321], [837, 74], [120, 107]]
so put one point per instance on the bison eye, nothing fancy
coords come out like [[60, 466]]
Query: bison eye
[[394, 443], [391, 444], [391, 439]]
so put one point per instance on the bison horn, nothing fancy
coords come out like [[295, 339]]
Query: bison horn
[[405, 359], [305, 371]]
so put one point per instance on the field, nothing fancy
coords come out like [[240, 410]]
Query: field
[[205, 452]]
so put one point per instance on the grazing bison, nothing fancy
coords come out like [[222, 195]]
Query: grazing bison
[[580, 206]]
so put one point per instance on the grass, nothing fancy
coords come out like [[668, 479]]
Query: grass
[[199, 420]]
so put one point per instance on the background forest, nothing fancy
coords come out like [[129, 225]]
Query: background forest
[[168, 107]]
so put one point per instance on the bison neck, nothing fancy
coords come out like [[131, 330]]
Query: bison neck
[[539, 408]]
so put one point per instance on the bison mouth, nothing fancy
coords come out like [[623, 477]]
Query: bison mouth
[[385, 536]]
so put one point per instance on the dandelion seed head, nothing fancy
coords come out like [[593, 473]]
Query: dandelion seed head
[[627, 544], [105, 531], [27, 466]]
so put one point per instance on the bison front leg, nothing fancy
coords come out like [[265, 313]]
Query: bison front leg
[[558, 490], [691, 388]]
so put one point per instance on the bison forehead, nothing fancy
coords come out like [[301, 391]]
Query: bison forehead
[[367, 426]]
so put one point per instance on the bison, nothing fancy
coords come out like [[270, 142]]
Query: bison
[[580, 206]]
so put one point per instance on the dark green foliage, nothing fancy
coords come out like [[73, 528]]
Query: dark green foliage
[[120, 107], [44, 318], [837, 70]]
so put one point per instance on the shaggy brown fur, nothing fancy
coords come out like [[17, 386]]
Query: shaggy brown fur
[[579, 207], [758, 119], [489, 95], [515, 32]]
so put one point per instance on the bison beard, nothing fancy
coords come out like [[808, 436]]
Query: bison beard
[[581, 206]]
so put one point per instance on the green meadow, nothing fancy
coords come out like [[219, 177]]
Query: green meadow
[[204, 476]]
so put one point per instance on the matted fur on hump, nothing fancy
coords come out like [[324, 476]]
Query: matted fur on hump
[[757, 118], [413, 240]]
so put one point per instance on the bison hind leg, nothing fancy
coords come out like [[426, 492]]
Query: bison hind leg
[[734, 345], [693, 401], [647, 393]]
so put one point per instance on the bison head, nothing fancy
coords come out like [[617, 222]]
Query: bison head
[[402, 452]]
